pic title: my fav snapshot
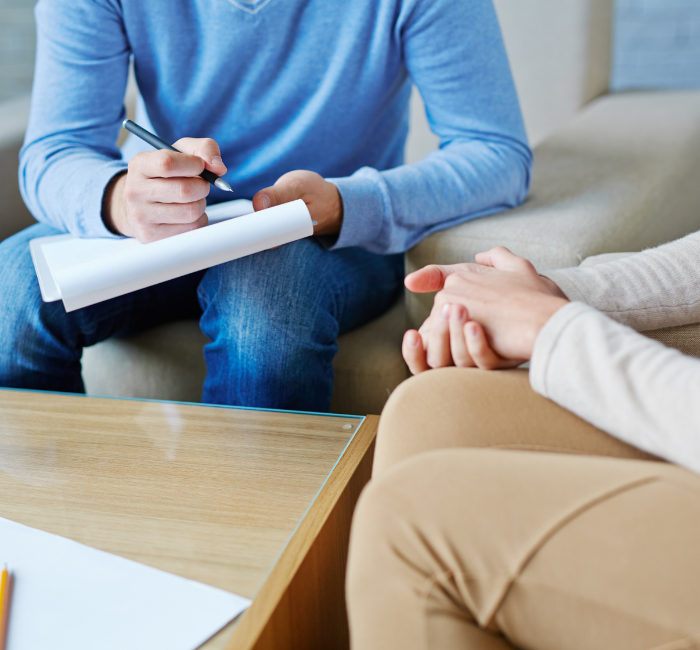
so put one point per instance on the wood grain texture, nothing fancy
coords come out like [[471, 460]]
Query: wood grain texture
[[301, 606], [212, 494]]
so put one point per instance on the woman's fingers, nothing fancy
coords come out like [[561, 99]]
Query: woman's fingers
[[429, 278], [480, 350], [460, 353], [439, 355], [414, 352]]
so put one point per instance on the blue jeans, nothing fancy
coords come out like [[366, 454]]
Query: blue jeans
[[273, 319]]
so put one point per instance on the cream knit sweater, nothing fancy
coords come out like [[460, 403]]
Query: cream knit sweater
[[589, 359]]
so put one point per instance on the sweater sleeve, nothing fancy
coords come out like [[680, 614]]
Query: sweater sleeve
[[656, 288], [622, 382], [455, 55], [70, 150]]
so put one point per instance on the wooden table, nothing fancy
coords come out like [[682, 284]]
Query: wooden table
[[255, 502]]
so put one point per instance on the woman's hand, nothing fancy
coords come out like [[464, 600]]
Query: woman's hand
[[453, 340], [486, 314]]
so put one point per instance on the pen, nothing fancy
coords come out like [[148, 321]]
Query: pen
[[156, 142], [5, 593]]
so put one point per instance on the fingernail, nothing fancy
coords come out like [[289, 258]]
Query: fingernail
[[217, 162], [265, 201], [413, 339], [458, 314], [445, 311], [472, 330]]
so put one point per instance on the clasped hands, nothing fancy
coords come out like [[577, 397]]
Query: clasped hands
[[486, 315], [162, 193]]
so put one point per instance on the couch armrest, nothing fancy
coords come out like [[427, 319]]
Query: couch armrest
[[14, 215], [620, 176]]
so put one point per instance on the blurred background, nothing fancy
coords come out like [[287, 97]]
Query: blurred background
[[657, 45]]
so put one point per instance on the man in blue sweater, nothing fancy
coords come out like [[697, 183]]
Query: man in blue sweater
[[287, 99]]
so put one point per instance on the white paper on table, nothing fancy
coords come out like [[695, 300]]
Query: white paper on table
[[69, 596], [83, 272]]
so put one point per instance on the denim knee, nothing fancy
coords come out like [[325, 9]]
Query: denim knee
[[273, 325]]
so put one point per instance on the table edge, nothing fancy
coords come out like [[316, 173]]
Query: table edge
[[253, 622]]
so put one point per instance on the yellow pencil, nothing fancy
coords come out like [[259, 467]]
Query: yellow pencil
[[5, 595]]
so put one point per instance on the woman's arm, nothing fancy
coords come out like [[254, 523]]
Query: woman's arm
[[624, 383], [656, 288]]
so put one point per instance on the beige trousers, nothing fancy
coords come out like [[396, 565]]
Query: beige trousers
[[467, 539]]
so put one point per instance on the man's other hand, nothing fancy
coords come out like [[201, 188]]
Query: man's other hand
[[162, 193], [321, 197]]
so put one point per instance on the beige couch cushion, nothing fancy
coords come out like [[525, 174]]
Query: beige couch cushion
[[13, 121], [167, 362], [621, 176], [369, 364]]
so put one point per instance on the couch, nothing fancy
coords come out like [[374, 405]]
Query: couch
[[612, 172]]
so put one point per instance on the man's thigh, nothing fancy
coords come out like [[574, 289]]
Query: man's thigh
[[349, 285], [273, 319], [466, 407]]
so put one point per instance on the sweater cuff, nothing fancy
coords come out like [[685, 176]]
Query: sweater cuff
[[89, 221], [363, 209], [546, 344], [565, 280]]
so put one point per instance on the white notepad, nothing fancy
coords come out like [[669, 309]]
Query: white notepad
[[83, 272], [67, 596]]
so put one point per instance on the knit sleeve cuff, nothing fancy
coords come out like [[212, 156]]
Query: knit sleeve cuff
[[363, 210], [90, 223], [546, 344], [564, 279]]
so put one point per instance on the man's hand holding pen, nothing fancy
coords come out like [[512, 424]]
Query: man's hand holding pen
[[162, 193]]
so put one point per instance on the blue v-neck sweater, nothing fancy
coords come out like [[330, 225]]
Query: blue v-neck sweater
[[282, 85]]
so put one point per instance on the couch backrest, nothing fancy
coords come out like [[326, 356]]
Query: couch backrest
[[14, 215], [560, 53]]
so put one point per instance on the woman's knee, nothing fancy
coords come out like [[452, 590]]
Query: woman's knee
[[402, 514], [451, 407]]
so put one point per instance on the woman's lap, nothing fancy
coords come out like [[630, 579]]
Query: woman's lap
[[457, 407], [551, 551], [463, 539]]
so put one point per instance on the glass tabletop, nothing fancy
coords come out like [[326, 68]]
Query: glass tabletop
[[205, 492]]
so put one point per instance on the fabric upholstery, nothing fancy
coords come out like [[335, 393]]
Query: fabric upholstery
[[369, 364], [167, 363], [560, 56], [14, 215], [620, 176]]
